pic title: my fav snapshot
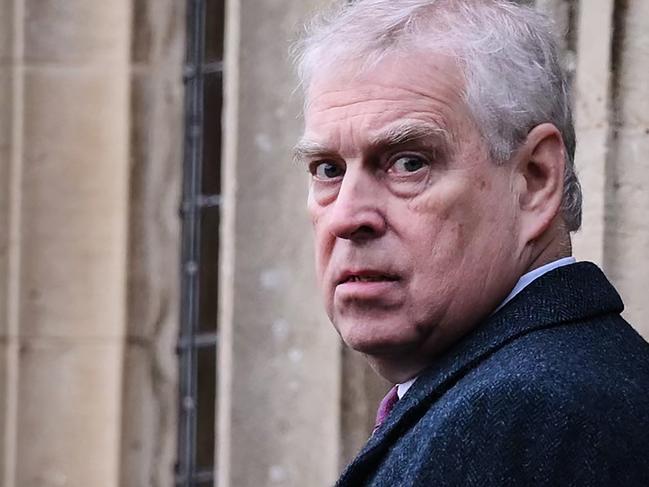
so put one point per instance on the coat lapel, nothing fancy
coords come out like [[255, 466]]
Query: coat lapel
[[570, 293]]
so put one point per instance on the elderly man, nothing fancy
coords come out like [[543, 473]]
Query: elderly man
[[440, 143]]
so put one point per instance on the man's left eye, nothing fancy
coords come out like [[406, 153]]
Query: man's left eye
[[407, 164]]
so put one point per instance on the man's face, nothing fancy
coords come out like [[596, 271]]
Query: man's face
[[415, 227]]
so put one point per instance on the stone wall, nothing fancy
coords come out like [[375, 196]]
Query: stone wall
[[612, 122], [148, 429], [64, 220], [279, 362], [90, 160]]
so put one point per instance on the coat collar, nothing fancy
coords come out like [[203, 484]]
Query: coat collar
[[570, 293]]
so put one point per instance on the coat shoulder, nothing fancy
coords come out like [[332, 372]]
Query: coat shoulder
[[603, 352], [567, 402], [595, 366]]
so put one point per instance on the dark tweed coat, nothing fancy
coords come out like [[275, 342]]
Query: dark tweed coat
[[552, 390]]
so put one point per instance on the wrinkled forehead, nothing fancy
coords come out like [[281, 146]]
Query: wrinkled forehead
[[391, 68], [366, 98]]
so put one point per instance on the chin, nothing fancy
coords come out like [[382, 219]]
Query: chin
[[396, 350], [378, 340], [397, 368]]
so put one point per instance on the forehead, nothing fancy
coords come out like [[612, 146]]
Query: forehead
[[359, 104]]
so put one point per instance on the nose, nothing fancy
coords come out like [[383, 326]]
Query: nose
[[357, 213]]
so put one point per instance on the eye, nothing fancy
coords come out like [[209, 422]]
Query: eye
[[326, 170], [407, 164]]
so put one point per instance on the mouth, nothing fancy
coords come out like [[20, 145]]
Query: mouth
[[366, 276]]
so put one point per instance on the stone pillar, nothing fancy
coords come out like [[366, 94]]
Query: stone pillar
[[627, 224], [592, 122], [64, 318], [148, 431], [279, 358], [8, 346], [612, 142]]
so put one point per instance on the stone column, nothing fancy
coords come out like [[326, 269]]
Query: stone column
[[8, 346], [65, 312], [148, 431], [279, 358], [627, 223], [592, 122]]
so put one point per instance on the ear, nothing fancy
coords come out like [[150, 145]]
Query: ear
[[540, 165]]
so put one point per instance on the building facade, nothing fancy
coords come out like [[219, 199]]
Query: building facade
[[92, 130]]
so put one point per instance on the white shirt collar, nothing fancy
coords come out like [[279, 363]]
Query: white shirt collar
[[403, 388], [523, 282]]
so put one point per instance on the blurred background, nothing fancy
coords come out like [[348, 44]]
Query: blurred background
[[159, 320]]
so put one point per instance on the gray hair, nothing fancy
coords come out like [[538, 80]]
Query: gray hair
[[508, 54]]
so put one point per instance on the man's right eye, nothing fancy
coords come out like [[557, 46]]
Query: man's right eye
[[327, 170]]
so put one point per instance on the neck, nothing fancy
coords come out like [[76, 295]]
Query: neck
[[552, 245]]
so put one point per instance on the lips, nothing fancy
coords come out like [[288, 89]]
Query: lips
[[366, 276], [367, 279]]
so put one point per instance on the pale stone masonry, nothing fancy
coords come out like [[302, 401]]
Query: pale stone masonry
[[149, 413], [65, 205], [626, 240], [592, 122], [280, 363], [91, 102]]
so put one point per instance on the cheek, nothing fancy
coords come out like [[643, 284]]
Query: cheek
[[316, 214], [448, 220], [320, 254], [323, 241], [440, 212], [312, 207], [497, 204], [433, 205]]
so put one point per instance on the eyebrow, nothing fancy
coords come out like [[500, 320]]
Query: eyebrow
[[400, 133], [306, 149], [404, 132]]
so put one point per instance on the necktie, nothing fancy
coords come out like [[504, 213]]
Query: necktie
[[385, 407]]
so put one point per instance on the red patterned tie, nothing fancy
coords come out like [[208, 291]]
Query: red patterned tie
[[385, 407]]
